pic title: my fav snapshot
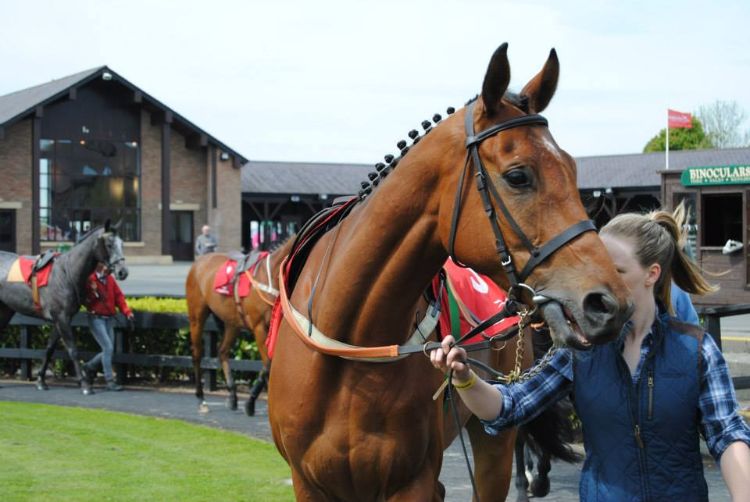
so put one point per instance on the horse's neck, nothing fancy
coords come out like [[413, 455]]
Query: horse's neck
[[384, 256], [80, 261]]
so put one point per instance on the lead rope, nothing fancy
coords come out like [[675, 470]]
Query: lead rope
[[513, 376]]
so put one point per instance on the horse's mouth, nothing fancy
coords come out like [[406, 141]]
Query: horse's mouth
[[564, 327]]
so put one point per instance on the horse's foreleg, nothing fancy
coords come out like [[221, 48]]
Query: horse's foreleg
[[522, 482], [5, 315], [493, 460], [197, 313], [230, 334], [63, 328], [257, 388], [260, 331], [41, 383], [540, 484]]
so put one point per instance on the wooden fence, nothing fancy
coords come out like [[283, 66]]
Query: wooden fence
[[122, 359], [147, 320]]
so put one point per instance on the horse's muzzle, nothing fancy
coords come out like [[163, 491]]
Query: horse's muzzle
[[601, 320], [122, 273]]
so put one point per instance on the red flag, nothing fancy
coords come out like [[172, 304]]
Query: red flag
[[679, 119]]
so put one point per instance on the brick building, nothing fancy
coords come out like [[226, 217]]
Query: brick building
[[92, 146]]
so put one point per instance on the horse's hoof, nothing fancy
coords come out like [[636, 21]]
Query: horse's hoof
[[41, 385], [540, 487], [232, 403], [250, 408], [87, 391], [203, 407]]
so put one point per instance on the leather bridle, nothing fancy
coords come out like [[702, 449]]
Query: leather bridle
[[488, 192]]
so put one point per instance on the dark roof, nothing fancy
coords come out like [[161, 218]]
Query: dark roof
[[638, 170], [303, 177], [642, 169], [20, 104]]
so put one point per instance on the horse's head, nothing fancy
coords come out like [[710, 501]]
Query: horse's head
[[537, 241], [109, 251]]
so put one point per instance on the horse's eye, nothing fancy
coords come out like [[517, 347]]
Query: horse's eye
[[518, 178]]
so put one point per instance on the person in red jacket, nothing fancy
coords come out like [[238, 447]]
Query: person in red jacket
[[102, 296]]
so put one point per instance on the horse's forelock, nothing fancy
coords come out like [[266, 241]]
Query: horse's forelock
[[518, 100]]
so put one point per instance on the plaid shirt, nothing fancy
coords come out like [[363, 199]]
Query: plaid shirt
[[720, 423]]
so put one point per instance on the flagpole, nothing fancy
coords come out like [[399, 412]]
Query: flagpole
[[667, 150]]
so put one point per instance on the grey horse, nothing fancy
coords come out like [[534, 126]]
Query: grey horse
[[62, 297]]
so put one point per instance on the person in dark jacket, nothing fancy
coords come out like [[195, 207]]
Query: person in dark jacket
[[645, 399], [102, 296]]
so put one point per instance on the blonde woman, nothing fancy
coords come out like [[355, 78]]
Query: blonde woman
[[645, 399]]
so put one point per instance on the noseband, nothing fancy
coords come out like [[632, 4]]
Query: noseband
[[488, 192]]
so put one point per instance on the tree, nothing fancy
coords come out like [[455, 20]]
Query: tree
[[680, 139], [722, 121]]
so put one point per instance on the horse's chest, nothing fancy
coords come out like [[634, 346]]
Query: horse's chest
[[371, 459]]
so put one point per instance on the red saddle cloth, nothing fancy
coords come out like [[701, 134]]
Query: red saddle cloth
[[479, 298], [42, 276], [225, 273]]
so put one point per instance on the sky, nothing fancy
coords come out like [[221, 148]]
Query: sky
[[343, 80]]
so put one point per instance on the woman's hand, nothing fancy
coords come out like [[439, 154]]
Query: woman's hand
[[448, 358]]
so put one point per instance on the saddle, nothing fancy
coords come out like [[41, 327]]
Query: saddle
[[244, 261], [312, 231], [232, 278], [40, 271], [44, 260]]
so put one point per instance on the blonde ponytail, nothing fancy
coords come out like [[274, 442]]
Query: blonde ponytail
[[659, 237]]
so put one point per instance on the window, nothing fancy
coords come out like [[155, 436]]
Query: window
[[691, 225], [722, 218], [84, 183]]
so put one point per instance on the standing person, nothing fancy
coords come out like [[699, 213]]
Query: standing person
[[682, 305], [205, 243], [645, 399], [102, 295]]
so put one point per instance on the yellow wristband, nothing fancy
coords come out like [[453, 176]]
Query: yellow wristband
[[467, 384]]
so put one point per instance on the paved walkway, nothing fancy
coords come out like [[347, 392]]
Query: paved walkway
[[180, 403]]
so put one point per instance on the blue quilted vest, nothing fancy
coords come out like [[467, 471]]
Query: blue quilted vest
[[642, 440]]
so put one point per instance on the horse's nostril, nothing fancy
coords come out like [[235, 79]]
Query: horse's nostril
[[599, 303]]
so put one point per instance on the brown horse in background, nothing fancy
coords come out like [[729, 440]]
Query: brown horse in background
[[202, 300], [358, 430]]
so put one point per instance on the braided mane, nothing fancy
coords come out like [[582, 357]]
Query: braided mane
[[383, 169]]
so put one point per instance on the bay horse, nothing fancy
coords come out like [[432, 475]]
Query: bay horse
[[61, 298], [253, 313], [358, 430]]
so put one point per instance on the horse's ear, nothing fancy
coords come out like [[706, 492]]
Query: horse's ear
[[541, 88], [107, 225], [116, 226], [496, 80]]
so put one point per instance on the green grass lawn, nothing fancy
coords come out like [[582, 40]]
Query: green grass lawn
[[59, 453]]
